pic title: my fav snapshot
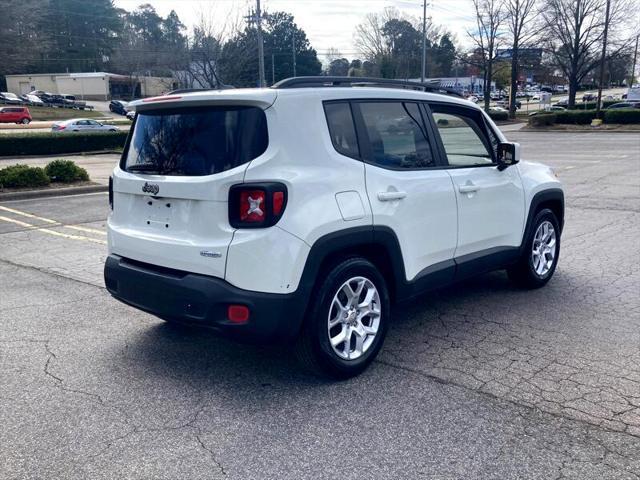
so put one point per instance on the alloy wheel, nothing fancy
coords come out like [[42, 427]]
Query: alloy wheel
[[354, 318], [544, 248]]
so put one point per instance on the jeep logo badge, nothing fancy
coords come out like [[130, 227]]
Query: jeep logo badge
[[151, 188]]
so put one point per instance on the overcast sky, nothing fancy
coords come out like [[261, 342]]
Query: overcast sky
[[327, 23]]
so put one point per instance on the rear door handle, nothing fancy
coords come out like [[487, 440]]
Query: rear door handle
[[388, 196]]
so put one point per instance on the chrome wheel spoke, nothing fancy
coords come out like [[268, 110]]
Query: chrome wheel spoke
[[340, 338], [359, 344]]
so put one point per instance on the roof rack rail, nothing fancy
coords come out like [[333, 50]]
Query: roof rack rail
[[318, 81]]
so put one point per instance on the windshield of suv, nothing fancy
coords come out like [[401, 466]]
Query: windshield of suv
[[195, 141]]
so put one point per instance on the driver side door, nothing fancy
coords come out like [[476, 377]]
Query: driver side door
[[491, 205]]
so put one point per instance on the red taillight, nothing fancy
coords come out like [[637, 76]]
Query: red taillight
[[256, 205], [238, 313], [252, 206], [278, 202]]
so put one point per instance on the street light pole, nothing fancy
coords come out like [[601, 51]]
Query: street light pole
[[260, 45], [424, 40], [633, 69], [602, 59], [293, 48]]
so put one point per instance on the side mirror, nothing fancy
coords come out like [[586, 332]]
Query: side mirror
[[508, 154]]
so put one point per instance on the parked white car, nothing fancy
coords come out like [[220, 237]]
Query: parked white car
[[82, 125], [33, 100], [301, 213]]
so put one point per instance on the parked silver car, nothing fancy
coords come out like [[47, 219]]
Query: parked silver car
[[82, 125], [10, 98]]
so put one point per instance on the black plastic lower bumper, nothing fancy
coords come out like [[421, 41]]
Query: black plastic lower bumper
[[201, 300]]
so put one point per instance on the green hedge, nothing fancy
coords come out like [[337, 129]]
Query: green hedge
[[575, 117], [54, 143], [592, 105], [499, 116], [578, 117], [542, 120], [622, 115], [21, 176], [24, 176], [65, 171]]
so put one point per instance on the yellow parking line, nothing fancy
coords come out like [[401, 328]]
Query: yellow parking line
[[48, 220], [53, 232]]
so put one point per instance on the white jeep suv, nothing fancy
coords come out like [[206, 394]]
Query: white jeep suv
[[300, 213]]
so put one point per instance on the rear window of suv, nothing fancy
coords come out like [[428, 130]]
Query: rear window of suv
[[195, 141]]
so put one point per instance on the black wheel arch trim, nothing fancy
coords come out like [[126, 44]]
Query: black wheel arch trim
[[555, 195], [355, 240]]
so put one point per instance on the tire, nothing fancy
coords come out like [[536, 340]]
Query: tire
[[25, 121], [528, 272], [365, 331]]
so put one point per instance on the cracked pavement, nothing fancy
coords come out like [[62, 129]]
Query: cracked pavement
[[480, 380]]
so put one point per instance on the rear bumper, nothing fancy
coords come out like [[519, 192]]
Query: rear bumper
[[202, 300]]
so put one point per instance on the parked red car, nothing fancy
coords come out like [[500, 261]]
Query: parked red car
[[15, 115]]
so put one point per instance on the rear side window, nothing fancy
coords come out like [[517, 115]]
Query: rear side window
[[195, 141], [397, 135], [342, 129]]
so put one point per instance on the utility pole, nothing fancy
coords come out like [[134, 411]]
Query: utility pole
[[293, 47], [602, 59], [424, 40], [633, 69], [260, 45], [273, 69]]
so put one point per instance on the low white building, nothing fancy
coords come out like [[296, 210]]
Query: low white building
[[92, 85], [471, 85]]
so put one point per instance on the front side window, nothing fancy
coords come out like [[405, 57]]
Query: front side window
[[463, 138], [341, 128], [195, 141], [397, 136]]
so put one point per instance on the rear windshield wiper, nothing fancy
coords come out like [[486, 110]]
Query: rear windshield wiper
[[143, 167]]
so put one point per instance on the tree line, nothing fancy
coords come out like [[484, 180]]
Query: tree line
[[569, 33], [51, 36]]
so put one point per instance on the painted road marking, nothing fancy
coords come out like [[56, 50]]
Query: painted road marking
[[52, 222], [53, 232]]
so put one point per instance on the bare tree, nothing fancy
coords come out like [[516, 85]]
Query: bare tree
[[490, 15], [576, 29], [521, 17], [369, 37], [332, 54], [205, 49], [391, 41]]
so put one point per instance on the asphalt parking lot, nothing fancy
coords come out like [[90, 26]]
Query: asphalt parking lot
[[478, 381]]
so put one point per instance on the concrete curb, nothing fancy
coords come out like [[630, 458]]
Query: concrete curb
[[58, 155], [545, 130], [53, 192]]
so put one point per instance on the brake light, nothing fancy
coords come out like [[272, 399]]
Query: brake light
[[278, 202], [161, 99], [256, 205]]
